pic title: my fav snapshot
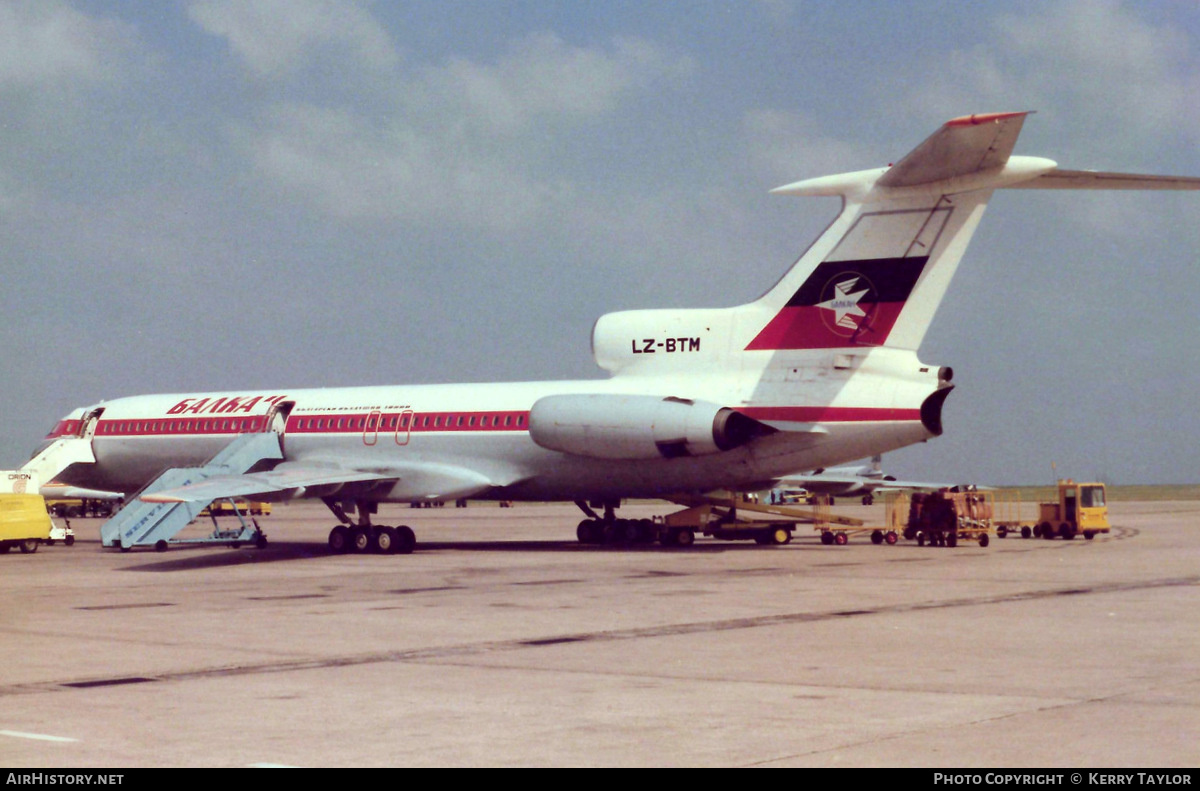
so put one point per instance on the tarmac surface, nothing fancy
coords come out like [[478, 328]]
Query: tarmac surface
[[504, 642]]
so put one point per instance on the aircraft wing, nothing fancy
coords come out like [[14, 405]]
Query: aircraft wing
[[62, 491], [409, 481]]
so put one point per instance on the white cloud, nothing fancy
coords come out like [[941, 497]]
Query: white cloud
[[275, 37], [458, 142], [789, 146], [542, 76], [47, 43], [1132, 81]]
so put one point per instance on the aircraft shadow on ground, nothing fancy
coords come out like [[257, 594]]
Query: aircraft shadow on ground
[[191, 558]]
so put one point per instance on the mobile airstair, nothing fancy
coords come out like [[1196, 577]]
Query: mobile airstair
[[142, 524]]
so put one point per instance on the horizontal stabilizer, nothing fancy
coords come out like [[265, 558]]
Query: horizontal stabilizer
[[1059, 179], [961, 147]]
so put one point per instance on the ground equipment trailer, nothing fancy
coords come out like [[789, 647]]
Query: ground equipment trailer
[[941, 518], [1081, 508], [24, 522], [724, 518]]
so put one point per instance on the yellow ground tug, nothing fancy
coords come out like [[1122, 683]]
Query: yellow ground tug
[[24, 522], [1081, 508]]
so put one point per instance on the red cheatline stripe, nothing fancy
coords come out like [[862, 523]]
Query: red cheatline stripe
[[418, 422]]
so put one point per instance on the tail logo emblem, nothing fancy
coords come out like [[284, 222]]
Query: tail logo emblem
[[842, 309]]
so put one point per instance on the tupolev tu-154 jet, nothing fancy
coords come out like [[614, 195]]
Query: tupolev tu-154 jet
[[820, 370]]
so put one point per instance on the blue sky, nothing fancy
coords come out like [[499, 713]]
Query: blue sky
[[290, 193]]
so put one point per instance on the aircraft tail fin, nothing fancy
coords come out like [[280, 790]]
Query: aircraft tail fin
[[878, 273]]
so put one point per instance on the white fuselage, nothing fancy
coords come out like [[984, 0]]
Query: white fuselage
[[866, 403]]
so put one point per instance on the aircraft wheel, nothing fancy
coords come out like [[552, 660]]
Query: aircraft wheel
[[586, 532], [841, 539], [360, 539], [383, 540], [876, 537], [29, 545], [339, 539], [646, 532], [406, 540], [891, 537], [629, 530]]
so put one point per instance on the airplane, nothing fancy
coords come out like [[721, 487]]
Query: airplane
[[860, 481], [820, 370]]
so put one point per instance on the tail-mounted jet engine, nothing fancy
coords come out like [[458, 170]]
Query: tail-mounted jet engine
[[606, 426]]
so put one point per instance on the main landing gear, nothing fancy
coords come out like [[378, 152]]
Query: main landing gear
[[365, 537]]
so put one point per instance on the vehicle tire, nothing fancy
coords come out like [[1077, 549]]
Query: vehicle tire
[[841, 539], [781, 536], [5, 547], [826, 537], [1026, 532], [260, 542], [383, 540], [1001, 532], [685, 538], [29, 545], [1066, 532], [160, 545], [876, 537], [983, 540], [891, 537], [952, 539], [69, 541], [360, 539], [1045, 531], [339, 539], [1089, 535], [406, 540]]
